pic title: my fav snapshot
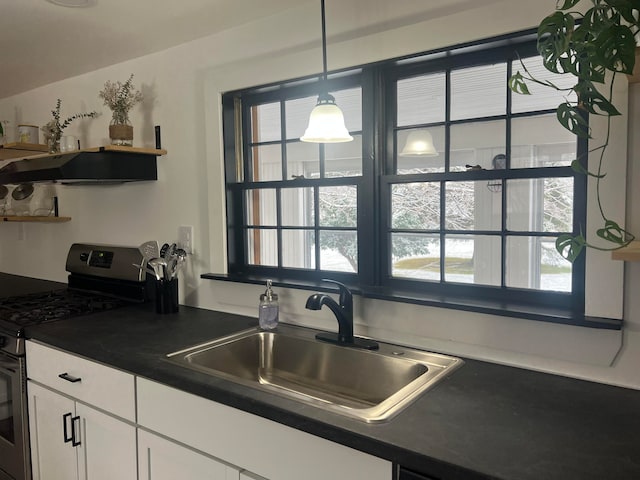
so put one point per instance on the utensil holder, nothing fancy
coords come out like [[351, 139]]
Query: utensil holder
[[166, 296]]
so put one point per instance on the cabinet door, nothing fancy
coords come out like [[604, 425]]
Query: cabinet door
[[161, 459], [107, 449], [51, 457]]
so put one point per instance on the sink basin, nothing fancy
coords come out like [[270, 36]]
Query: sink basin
[[368, 385]]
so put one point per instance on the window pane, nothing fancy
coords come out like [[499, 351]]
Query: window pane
[[421, 99], [541, 98], [303, 159], [533, 262], [472, 206], [409, 141], [338, 206], [296, 113], [473, 259], [350, 102], [297, 207], [540, 205], [477, 144], [343, 159], [415, 206], [298, 249], [478, 92], [541, 142], [339, 251], [415, 256], [266, 163], [261, 207], [265, 122], [262, 247]]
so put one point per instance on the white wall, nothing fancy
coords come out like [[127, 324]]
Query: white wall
[[183, 87]]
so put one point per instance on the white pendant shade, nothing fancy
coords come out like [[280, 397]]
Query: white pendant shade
[[419, 144], [326, 124]]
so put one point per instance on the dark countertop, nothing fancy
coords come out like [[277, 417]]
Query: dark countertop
[[483, 421]]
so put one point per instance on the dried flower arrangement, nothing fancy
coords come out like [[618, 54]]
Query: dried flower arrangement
[[120, 98], [53, 129]]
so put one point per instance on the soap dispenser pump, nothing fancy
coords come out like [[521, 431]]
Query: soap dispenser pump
[[268, 309]]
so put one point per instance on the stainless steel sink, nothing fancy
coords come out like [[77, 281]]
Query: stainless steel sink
[[367, 385]]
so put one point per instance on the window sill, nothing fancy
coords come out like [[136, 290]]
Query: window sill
[[505, 309]]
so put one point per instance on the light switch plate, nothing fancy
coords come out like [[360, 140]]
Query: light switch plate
[[185, 238]]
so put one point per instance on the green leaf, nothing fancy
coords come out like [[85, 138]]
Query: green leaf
[[576, 166], [518, 85], [626, 8], [612, 233], [593, 101], [554, 33], [570, 247], [567, 4], [615, 48], [572, 119]]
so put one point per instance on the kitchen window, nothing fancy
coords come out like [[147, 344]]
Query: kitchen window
[[467, 219]]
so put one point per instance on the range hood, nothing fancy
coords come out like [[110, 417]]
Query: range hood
[[82, 168]]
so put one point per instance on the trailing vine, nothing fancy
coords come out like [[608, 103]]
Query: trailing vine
[[591, 46]]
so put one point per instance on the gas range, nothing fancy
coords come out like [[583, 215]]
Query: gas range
[[101, 278]]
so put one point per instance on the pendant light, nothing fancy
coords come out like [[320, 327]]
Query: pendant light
[[326, 122], [419, 144]]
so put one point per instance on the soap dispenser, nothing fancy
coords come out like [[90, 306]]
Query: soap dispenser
[[268, 309]]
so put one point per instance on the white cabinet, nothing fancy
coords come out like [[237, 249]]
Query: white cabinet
[[84, 426], [266, 448], [161, 459], [51, 457], [73, 440]]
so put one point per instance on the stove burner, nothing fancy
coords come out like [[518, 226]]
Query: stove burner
[[36, 308]]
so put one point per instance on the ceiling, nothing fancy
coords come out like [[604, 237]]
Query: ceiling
[[41, 43]]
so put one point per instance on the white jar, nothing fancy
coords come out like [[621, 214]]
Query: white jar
[[27, 134]]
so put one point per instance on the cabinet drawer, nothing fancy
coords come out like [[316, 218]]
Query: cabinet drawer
[[103, 387]]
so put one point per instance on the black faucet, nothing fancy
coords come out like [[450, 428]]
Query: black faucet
[[344, 314]]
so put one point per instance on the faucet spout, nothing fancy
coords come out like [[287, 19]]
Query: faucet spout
[[342, 311], [344, 315]]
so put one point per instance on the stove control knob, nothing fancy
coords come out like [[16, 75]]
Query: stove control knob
[[84, 257]]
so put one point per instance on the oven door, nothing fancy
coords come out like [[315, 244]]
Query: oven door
[[14, 460]]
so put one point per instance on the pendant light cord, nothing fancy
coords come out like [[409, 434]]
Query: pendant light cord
[[324, 43]]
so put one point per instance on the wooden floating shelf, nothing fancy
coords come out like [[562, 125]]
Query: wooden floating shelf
[[9, 151], [630, 253], [119, 148], [27, 151], [28, 218]]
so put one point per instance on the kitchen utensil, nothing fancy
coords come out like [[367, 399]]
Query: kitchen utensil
[[159, 266], [146, 268], [172, 268], [22, 191], [163, 250], [149, 250]]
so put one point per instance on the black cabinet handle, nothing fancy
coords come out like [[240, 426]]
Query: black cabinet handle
[[65, 431], [74, 441], [69, 378]]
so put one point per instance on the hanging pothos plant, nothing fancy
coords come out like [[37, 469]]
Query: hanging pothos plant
[[593, 46]]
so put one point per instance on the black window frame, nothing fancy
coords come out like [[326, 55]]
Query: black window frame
[[374, 278]]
